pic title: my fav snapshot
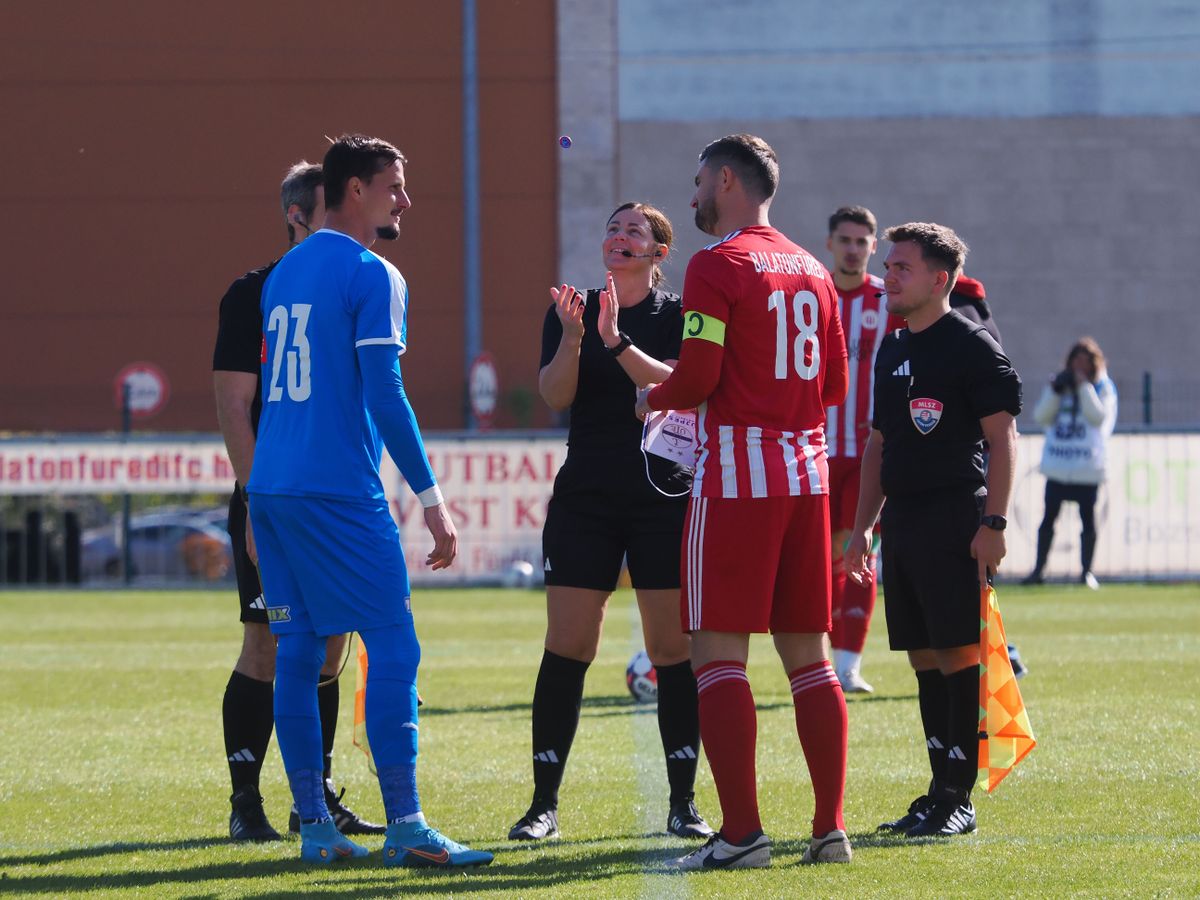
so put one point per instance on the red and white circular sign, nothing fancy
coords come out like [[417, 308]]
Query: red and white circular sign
[[148, 389], [483, 389]]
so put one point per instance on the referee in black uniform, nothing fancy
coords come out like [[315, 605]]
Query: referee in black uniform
[[248, 707], [942, 387], [612, 501]]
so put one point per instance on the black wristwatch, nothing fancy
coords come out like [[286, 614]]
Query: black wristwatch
[[620, 346], [996, 523]]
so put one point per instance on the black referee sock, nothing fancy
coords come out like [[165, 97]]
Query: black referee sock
[[962, 751], [557, 698], [679, 727], [935, 704], [248, 715], [327, 702]]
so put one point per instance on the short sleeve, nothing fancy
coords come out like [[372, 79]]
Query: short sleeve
[[239, 330], [551, 337], [380, 295], [993, 384]]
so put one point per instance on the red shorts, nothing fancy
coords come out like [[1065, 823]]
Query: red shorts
[[844, 473], [756, 565]]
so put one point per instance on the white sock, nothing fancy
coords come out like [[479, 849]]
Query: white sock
[[846, 661]]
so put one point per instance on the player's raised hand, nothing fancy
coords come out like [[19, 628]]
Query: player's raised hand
[[607, 324], [445, 537], [568, 304], [855, 558]]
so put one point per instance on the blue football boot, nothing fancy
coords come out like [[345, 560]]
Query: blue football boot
[[321, 842], [416, 845]]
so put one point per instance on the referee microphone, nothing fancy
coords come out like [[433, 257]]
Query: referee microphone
[[631, 255]]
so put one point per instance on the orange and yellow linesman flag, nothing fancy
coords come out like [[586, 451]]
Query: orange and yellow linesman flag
[[360, 705], [1005, 737]]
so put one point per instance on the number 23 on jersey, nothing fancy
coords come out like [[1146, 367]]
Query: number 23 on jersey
[[289, 328]]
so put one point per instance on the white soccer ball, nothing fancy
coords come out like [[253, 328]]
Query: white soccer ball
[[518, 575], [641, 678]]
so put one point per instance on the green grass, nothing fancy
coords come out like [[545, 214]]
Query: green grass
[[113, 781]]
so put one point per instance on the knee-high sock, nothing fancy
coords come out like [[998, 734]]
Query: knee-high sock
[[729, 730], [935, 705], [248, 716], [557, 698], [391, 710], [298, 661], [328, 697], [822, 724], [962, 728], [679, 727], [858, 603]]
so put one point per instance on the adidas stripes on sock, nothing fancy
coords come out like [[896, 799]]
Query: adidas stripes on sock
[[248, 716], [729, 730], [822, 724], [679, 727], [557, 698], [327, 701], [962, 729], [934, 702]]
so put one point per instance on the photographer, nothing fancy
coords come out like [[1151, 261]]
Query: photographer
[[1079, 410]]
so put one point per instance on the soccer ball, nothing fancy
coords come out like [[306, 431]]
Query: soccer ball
[[641, 679]]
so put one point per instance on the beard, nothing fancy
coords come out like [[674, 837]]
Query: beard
[[388, 232], [706, 216]]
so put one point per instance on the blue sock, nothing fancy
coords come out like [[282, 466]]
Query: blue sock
[[391, 711], [298, 663]]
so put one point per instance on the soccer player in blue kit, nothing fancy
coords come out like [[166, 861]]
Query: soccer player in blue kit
[[329, 552]]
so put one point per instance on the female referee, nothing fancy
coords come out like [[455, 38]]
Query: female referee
[[612, 501]]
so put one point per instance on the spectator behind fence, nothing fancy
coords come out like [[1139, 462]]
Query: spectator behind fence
[[1079, 409]]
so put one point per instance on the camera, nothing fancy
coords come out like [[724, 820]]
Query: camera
[[1063, 382]]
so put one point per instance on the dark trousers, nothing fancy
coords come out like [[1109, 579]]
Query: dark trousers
[[1056, 493]]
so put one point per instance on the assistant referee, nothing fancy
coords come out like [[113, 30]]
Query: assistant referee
[[942, 387]]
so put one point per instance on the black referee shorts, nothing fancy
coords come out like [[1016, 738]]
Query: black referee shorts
[[587, 533], [930, 580], [249, 589]]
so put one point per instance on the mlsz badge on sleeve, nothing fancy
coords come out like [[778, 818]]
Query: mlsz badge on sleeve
[[671, 434]]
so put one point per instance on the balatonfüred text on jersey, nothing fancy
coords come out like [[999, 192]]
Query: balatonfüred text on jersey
[[865, 323], [773, 308]]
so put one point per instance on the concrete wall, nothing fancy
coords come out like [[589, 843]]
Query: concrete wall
[[1076, 226], [1058, 138]]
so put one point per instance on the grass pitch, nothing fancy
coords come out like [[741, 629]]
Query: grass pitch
[[114, 783]]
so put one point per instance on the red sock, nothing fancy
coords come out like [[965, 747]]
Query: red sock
[[729, 731], [837, 592], [858, 603], [821, 723]]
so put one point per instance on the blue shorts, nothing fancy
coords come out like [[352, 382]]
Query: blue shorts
[[329, 566]]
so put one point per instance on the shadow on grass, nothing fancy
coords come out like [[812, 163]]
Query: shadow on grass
[[365, 878], [121, 847]]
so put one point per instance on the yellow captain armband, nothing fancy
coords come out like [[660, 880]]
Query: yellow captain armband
[[707, 328]]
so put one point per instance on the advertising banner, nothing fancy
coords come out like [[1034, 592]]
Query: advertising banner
[[497, 488]]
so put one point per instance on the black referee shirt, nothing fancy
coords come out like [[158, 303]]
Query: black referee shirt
[[604, 439], [240, 331], [931, 390]]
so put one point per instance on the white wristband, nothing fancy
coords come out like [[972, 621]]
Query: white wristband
[[431, 496]]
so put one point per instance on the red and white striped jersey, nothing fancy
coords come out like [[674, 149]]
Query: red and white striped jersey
[[773, 308], [865, 323]]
